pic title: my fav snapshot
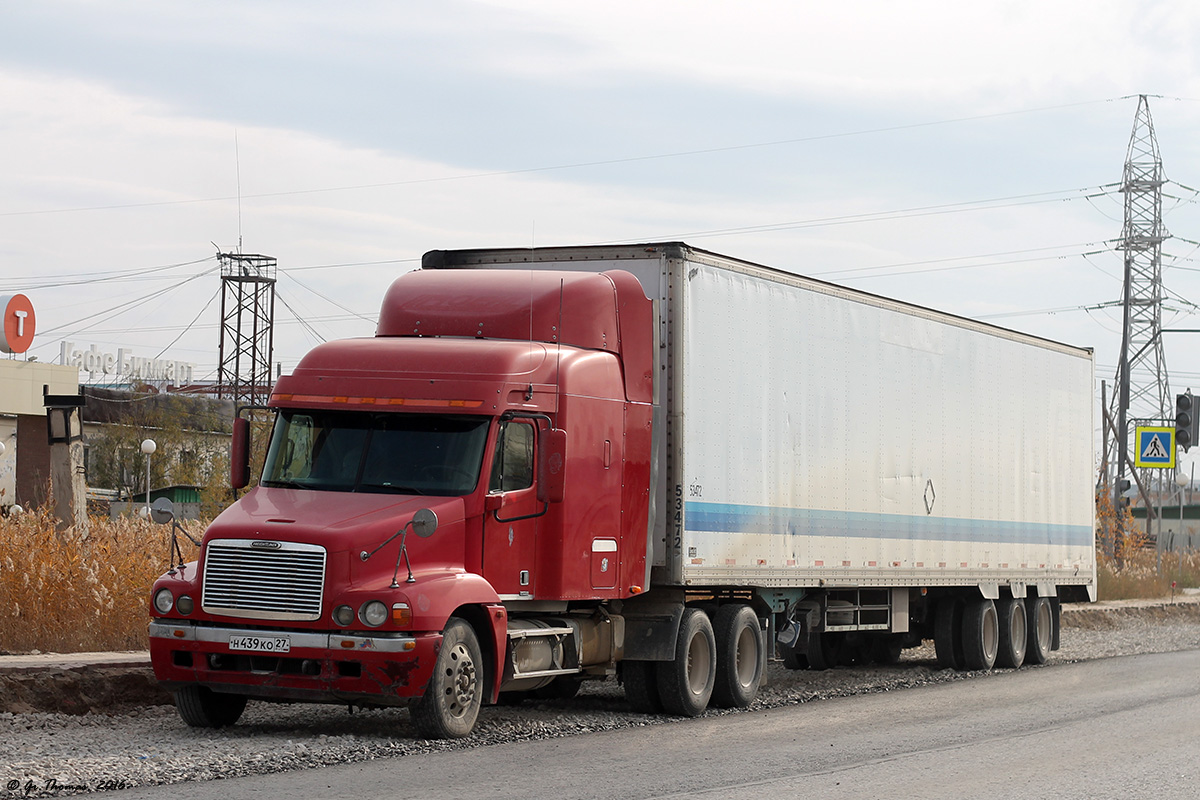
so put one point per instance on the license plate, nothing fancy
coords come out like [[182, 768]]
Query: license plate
[[261, 644]]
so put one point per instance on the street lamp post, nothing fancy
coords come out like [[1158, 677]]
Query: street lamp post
[[148, 447]]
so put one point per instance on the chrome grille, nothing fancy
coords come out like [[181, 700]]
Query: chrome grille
[[263, 582]]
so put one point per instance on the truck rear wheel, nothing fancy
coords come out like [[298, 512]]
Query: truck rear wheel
[[1040, 623], [686, 684], [641, 686], [1013, 633], [201, 707], [981, 634], [947, 633], [450, 705], [739, 656], [824, 650]]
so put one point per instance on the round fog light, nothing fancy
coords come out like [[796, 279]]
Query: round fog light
[[343, 616], [163, 601], [185, 605], [373, 613]]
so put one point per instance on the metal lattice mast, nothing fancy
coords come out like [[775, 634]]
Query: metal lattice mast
[[247, 327], [1142, 387]]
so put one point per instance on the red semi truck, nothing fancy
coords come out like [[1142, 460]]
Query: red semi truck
[[647, 462]]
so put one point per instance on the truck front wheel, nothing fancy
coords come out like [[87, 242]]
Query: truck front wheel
[[686, 684], [201, 707], [450, 705]]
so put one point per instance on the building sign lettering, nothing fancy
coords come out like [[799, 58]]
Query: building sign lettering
[[95, 361]]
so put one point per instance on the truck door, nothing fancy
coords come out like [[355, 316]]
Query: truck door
[[512, 512]]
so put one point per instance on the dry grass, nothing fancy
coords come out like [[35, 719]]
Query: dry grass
[[1139, 575], [70, 593]]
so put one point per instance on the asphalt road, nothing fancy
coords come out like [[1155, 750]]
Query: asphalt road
[[1113, 728]]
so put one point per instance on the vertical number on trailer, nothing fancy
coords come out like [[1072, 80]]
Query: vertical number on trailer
[[678, 517]]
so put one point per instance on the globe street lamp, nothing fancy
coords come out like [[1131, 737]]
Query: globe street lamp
[[148, 447]]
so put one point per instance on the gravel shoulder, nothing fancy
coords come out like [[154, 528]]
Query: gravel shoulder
[[46, 754]]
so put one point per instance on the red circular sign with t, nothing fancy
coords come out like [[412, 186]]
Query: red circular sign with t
[[19, 323]]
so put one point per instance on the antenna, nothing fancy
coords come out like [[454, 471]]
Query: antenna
[[237, 162]]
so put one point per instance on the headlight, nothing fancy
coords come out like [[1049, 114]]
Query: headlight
[[163, 601], [373, 613], [343, 616], [186, 605]]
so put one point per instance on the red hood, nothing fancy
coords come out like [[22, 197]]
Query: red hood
[[340, 521]]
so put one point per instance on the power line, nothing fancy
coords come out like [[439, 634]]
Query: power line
[[877, 216], [568, 166], [85, 278]]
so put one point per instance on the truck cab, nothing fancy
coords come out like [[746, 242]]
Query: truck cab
[[470, 409]]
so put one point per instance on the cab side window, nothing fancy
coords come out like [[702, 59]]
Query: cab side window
[[512, 468]]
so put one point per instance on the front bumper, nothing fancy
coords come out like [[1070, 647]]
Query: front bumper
[[317, 667]]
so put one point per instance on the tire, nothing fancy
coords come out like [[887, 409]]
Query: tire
[[201, 707], [685, 685], [451, 702], [886, 649], [1014, 635], [1040, 624], [739, 656], [641, 686], [793, 660], [824, 650], [947, 633], [564, 687], [980, 634]]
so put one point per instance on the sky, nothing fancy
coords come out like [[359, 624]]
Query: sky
[[962, 156]]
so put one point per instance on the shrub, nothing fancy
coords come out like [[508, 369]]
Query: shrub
[[71, 593]]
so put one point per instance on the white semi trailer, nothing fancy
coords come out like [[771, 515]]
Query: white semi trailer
[[866, 473]]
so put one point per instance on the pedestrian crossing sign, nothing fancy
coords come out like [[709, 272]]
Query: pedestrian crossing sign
[[1155, 448]]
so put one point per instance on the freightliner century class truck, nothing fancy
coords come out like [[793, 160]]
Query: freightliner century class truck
[[646, 463]]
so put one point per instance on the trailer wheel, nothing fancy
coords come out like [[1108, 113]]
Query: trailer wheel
[[686, 684], [1040, 623], [1013, 633], [824, 650], [739, 656], [886, 649], [450, 705], [947, 633], [201, 707], [981, 634], [641, 686]]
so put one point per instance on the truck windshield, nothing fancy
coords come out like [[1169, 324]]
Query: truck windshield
[[346, 451]]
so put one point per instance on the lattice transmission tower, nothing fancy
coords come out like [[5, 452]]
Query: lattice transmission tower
[[1142, 390], [247, 327]]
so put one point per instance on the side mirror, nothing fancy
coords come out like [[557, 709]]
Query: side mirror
[[424, 523], [239, 454], [162, 511], [552, 466]]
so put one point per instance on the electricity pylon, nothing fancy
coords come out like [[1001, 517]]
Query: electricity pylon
[[1142, 387], [247, 327]]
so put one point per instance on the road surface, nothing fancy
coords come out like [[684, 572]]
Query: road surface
[[1113, 728]]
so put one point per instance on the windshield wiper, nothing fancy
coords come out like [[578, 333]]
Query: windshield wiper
[[285, 483], [392, 488]]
